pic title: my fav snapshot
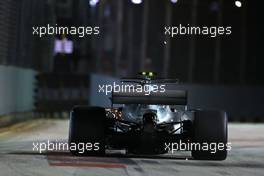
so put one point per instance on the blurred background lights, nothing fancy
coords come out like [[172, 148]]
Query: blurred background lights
[[136, 1], [238, 3], [174, 1], [93, 2]]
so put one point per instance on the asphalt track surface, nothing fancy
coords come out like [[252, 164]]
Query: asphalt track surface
[[17, 157]]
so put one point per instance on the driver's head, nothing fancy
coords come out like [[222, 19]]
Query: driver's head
[[149, 117]]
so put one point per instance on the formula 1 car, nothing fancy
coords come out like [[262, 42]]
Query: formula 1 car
[[149, 123]]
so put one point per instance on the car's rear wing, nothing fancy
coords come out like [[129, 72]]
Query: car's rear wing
[[149, 81], [169, 97]]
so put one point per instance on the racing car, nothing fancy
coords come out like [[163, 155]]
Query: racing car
[[149, 124]]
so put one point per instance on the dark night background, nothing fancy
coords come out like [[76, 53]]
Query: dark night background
[[131, 39]]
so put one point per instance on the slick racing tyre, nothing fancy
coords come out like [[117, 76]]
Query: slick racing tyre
[[210, 128], [86, 132]]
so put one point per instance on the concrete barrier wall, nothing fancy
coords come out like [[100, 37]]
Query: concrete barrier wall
[[16, 90]]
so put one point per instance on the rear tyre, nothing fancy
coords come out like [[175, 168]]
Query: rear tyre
[[210, 128], [87, 126]]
